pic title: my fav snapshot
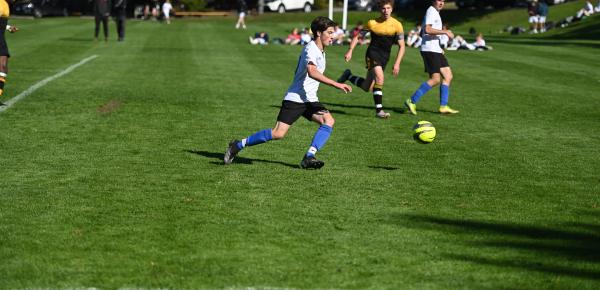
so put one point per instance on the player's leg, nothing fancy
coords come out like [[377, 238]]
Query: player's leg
[[288, 114], [432, 64], [378, 92], [445, 91], [322, 116], [364, 83], [262, 136]]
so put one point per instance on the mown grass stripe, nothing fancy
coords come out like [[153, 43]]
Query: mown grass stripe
[[43, 82]]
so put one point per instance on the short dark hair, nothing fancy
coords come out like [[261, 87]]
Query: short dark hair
[[321, 24], [381, 3]]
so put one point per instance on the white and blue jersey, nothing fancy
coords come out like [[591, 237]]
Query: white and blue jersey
[[304, 88], [431, 42]]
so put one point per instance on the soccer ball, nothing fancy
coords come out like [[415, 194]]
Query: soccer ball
[[424, 132]]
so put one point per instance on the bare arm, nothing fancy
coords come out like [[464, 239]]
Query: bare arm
[[353, 43], [433, 31], [399, 56], [314, 73]]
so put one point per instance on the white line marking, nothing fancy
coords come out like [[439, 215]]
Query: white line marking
[[43, 82]]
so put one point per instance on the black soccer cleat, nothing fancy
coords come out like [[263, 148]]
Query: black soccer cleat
[[310, 162], [232, 151]]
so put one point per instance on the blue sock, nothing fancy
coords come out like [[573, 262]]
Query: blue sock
[[444, 94], [321, 137], [256, 138], [423, 89]]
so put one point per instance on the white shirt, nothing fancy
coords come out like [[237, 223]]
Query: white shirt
[[431, 42], [304, 88], [167, 7]]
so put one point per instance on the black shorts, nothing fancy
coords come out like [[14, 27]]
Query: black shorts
[[3, 46], [433, 61], [291, 111], [375, 58]]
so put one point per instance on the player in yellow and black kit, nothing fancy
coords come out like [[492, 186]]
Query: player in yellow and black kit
[[385, 32], [4, 55]]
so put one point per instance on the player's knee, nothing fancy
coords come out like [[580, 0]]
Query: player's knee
[[277, 135], [329, 122], [434, 81]]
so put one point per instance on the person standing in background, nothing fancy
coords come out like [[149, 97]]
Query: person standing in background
[[120, 17], [532, 11], [166, 9], [542, 14], [101, 14], [242, 11]]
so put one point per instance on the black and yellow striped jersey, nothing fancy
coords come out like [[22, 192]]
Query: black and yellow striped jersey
[[4, 10], [384, 33]]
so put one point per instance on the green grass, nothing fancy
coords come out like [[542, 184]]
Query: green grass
[[111, 176]]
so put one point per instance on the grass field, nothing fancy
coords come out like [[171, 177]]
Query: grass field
[[111, 175]]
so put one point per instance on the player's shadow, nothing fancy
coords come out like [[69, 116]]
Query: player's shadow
[[338, 112], [400, 110], [219, 158], [76, 39], [564, 249], [389, 168]]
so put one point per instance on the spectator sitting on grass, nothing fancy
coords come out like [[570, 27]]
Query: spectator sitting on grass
[[479, 43], [305, 36], [338, 36], [293, 38], [414, 37], [261, 38], [587, 10], [458, 42], [359, 30]]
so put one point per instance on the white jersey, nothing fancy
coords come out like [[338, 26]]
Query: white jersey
[[166, 8], [304, 88], [431, 42]]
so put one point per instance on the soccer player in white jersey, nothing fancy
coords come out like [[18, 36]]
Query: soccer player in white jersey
[[301, 99], [434, 60]]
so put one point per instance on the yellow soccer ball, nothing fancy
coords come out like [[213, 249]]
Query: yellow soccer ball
[[424, 132]]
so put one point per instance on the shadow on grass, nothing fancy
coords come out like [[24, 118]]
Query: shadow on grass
[[576, 248], [219, 159], [330, 110], [389, 168], [77, 39], [400, 110]]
